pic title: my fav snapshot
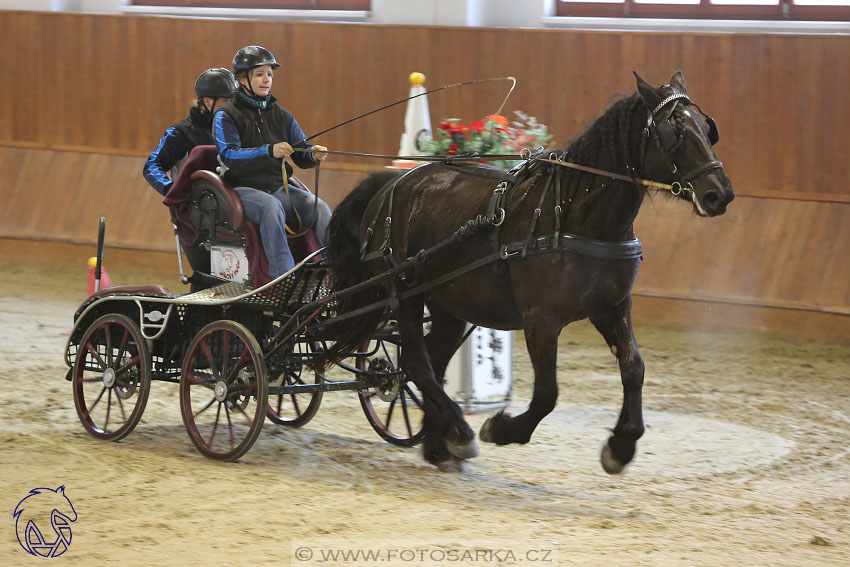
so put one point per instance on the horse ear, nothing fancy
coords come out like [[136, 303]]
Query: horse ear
[[677, 81], [647, 92]]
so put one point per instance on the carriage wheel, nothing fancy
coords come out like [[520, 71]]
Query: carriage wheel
[[394, 410], [294, 410], [112, 377], [224, 390]]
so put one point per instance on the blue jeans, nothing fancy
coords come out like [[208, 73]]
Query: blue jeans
[[270, 211]]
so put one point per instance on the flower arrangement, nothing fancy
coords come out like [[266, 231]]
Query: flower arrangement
[[493, 135]]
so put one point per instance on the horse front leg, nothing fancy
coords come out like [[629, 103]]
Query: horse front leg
[[448, 438], [616, 327], [443, 340], [542, 339]]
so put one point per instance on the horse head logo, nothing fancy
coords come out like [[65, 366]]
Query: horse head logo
[[35, 509]]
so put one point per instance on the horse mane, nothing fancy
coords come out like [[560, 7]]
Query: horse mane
[[611, 143], [605, 143]]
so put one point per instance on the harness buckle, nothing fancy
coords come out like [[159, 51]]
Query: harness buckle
[[505, 254]]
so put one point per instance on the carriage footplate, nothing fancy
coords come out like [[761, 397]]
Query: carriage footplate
[[288, 293], [223, 292]]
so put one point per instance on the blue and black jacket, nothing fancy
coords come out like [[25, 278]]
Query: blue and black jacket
[[179, 140], [245, 130]]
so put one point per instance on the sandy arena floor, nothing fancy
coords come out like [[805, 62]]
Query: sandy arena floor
[[745, 461]]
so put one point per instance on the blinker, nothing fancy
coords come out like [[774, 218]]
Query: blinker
[[713, 133], [665, 136]]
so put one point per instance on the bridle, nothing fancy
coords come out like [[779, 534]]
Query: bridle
[[667, 141]]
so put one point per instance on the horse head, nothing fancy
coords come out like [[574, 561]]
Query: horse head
[[677, 147]]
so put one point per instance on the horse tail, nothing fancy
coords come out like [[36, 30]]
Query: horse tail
[[344, 253]]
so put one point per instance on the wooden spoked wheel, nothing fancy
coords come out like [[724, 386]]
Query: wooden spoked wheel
[[294, 409], [395, 408], [224, 390], [112, 377]]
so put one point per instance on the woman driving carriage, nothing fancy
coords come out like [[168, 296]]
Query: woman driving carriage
[[253, 135]]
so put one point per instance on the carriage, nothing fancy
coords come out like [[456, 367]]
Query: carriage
[[240, 353], [544, 245]]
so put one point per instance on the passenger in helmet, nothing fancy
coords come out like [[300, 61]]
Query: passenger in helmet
[[253, 135], [212, 88]]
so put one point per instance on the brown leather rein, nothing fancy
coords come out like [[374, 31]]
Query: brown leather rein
[[526, 154]]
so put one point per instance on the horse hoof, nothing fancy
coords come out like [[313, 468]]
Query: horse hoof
[[452, 466], [609, 463], [468, 450], [484, 433]]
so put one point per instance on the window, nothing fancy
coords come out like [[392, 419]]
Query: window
[[261, 4], [791, 10]]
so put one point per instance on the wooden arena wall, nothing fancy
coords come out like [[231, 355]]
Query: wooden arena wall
[[88, 96]]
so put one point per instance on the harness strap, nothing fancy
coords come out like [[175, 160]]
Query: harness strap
[[496, 207], [602, 249], [558, 208], [371, 230], [494, 216], [715, 164], [536, 215], [627, 250], [385, 249], [414, 290]]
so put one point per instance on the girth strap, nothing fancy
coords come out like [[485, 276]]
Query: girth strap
[[602, 249]]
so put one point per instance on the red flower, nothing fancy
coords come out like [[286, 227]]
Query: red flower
[[476, 126], [452, 151], [498, 120], [459, 129]]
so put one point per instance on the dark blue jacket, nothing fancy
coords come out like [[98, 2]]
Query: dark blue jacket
[[179, 139], [244, 136]]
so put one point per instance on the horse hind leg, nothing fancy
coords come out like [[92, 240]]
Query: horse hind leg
[[502, 429], [616, 327], [448, 438]]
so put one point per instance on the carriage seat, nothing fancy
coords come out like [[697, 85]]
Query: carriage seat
[[207, 211], [145, 290], [218, 208]]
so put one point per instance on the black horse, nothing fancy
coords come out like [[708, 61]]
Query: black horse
[[550, 246]]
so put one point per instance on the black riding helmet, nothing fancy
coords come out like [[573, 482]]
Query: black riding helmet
[[253, 56], [217, 82]]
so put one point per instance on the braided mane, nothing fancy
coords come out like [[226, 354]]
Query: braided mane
[[604, 144]]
